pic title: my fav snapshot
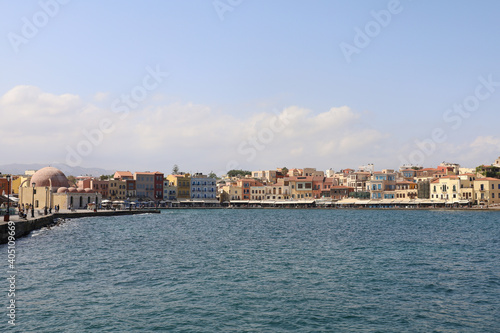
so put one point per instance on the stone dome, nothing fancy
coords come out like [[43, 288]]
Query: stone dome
[[62, 190], [81, 190], [89, 190], [49, 176], [72, 189]]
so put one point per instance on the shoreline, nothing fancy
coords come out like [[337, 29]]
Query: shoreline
[[24, 227]]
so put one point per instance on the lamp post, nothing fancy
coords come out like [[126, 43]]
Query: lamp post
[[33, 201], [7, 215]]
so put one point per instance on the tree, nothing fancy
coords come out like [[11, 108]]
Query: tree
[[212, 175], [284, 171], [72, 180], [489, 171], [175, 169], [235, 173]]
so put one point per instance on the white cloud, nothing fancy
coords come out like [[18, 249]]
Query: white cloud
[[191, 135]]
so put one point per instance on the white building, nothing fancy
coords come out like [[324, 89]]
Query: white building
[[203, 187]]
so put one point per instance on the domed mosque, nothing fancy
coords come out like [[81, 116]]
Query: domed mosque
[[49, 187]]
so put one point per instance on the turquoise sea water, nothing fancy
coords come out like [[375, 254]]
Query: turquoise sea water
[[261, 271]]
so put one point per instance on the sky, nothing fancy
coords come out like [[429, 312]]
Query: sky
[[215, 85]]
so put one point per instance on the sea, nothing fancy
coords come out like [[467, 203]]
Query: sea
[[260, 270]]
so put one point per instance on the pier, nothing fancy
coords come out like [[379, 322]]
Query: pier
[[23, 226]]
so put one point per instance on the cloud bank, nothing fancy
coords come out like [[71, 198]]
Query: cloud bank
[[40, 126]]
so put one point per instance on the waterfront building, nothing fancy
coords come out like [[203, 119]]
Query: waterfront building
[[340, 192], [183, 184], [169, 190], [49, 187], [145, 184], [117, 189], [424, 188], [231, 191], [487, 191], [158, 185], [131, 188], [301, 187], [258, 192], [4, 186], [406, 190], [99, 186], [246, 184], [16, 183], [277, 192], [453, 188], [203, 187], [382, 185], [317, 186], [357, 180], [467, 186]]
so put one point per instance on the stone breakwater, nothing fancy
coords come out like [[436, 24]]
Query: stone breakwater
[[24, 227]]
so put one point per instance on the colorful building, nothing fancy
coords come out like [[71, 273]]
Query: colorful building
[[487, 191], [183, 184], [203, 187]]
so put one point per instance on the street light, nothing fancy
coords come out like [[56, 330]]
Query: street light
[[33, 201], [7, 215]]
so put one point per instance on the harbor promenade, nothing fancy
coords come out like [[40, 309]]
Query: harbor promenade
[[23, 226]]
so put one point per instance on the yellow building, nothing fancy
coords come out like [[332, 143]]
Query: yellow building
[[487, 191], [301, 187], [277, 192], [16, 183], [183, 184], [49, 187], [257, 192], [446, 188], [406, 190], [453, 188], [117, 189], [232, 192]]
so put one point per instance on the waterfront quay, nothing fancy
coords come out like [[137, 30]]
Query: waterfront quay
[[23, 226]]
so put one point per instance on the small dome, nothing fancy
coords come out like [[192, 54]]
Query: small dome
[[49, 176], [62, 190], [81, 190], [89, 190], [72, 190]]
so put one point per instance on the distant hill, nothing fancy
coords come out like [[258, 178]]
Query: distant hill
[[18, 169]]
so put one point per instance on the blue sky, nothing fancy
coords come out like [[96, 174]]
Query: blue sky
[[230, 79]]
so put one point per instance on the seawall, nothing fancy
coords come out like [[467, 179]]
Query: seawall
[[24, 227]]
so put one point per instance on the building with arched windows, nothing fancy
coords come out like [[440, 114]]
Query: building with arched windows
[[49, 187]]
